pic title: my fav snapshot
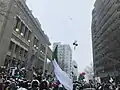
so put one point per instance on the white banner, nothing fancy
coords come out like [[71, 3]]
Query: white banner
[[62, 76]]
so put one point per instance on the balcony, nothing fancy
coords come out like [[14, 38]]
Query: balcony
[[21, 38]]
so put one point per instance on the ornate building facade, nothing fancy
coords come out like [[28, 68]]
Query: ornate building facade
[[21, 38]]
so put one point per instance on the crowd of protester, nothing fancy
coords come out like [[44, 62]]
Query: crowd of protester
[[14, 77], [16, 80], [107, 85]]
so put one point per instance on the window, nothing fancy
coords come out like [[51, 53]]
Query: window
[[22, 29], [11, 46], [35, 42], [25, 33], [42, 48], [17, 49], [29, 36], [17, 26], [25, 54]]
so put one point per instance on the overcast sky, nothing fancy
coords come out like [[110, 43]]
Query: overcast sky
[[65, 21]]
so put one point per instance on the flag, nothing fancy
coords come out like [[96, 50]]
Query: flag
[[61, 75], [54, 55]]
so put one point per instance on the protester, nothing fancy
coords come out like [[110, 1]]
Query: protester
[[118, 87], [15, 79]]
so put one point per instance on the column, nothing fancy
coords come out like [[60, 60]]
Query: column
[[18, 52], [12, 53], [22, 56], [45, 59]]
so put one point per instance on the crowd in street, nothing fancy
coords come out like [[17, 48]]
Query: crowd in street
[[108, 85], [16, 80], [14, 77]]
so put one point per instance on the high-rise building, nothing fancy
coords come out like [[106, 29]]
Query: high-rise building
[[106, 38], [64, 57], [22, 39]]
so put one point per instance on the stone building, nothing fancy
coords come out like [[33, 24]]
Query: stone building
[[21, 37]]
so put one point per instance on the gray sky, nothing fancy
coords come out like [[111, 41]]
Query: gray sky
[[65, 21]]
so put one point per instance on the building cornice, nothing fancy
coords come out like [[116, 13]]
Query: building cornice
[[33, 19]]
